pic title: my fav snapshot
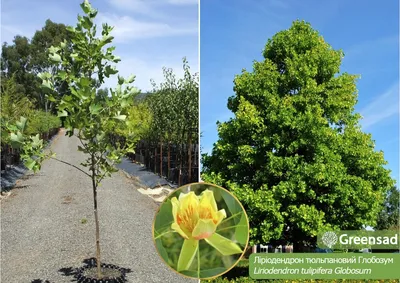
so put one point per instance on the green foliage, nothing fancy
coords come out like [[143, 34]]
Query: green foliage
[[389, 218], [25, 58], [13, 105], [294, 154], [93, 118], [31, 147], [174, 107], [42, 122], [137, 124], [21, 126]]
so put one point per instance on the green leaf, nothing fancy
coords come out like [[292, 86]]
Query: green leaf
[[120, 117], [16, 138], [21, 123], [63, 113], [110, 71], [164, 218], [36, 141], [87, 23], [120, 80], [130, 79], [85, 82], [242, 230], [51, 98], [188, 252], [55, 57], [161, 250], [95, 108], [62, 75], [107, 39], [47, 84], [30, 163], [63, 44], [44, 75], [85, 7], [233, 205], [223, 245]]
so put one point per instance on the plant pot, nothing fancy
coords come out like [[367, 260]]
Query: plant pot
[[111, 273]]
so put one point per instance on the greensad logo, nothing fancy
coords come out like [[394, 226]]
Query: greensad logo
[[354, 239], [329, 239]]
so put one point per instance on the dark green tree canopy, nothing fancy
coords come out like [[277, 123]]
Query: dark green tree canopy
[[294, 153], [25, 58]]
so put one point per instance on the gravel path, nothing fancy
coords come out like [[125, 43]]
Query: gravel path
[[44, 228]]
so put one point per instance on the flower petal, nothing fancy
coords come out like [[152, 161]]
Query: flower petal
[[207, 199], [223, 245], [187, 254], [175, 207], [188, 200], [219, 216], [204, 229], [178, 229]]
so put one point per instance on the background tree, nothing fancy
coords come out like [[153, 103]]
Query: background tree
[[52, 34], [16, 62], [388, 218], [294, 153], [174, 109], [26, 58]]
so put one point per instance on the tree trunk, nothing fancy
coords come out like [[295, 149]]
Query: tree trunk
[[155, 159], [169, 161], [96, 217], [161, 158], [180, 170], [190, 159]]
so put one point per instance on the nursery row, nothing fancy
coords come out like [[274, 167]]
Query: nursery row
[[178, 163]]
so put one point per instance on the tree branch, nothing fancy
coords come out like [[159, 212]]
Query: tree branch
[[72, 166]]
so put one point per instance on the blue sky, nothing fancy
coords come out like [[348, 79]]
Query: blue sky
[[234, 35], [149, 34]]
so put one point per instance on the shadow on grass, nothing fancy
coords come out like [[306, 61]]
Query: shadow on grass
[[77, 274]]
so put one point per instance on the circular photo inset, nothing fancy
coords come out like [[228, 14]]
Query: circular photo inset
[[201, 230]]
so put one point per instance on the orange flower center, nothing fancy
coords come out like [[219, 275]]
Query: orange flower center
[[205, 213], [186, 218]]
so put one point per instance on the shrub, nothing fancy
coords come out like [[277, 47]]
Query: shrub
[[42, 122]]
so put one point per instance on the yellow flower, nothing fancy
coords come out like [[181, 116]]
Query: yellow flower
[[196, 217]]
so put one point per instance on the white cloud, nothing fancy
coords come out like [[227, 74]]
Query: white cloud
[[154, 8], [383, 107], [147, 70], [126, 28]]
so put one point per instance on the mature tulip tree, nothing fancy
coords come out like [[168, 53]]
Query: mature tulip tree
[[295, 154]]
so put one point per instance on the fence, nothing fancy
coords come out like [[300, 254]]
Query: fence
[[178, 163], [260, 248], [11, 156]]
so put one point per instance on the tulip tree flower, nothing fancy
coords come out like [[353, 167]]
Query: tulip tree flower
[[196, 218]]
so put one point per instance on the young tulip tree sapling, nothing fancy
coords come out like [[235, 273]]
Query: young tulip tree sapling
[[92, 118]]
